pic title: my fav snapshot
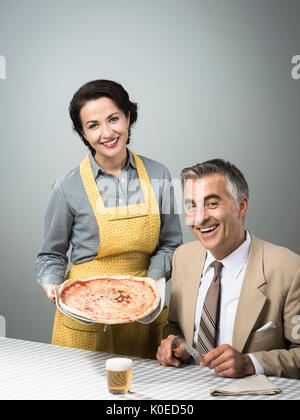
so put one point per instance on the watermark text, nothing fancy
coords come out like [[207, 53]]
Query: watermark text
[[295, 73], [2, 68], [296, 329]]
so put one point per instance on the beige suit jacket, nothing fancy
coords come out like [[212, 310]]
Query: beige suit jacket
[[270, 293]]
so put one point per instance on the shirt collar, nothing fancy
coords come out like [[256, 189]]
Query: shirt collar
[[97, 170], [235, 261]]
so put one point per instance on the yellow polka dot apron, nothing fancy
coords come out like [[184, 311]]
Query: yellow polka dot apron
[[128, 237]]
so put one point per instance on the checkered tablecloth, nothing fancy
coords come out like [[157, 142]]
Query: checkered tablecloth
[[30, 370]]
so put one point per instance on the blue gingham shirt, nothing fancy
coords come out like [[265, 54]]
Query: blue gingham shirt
[[70, 219]]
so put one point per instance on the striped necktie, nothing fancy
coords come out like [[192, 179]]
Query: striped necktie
[[207, 334]]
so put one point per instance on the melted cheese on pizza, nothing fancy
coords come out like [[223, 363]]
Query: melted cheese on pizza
[[110, 299]]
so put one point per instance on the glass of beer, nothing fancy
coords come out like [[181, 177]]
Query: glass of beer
[[119, 374]]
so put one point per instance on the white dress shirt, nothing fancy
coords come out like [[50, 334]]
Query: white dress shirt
[[232, 276]]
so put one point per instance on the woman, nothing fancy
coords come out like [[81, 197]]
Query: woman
[[110, 209]]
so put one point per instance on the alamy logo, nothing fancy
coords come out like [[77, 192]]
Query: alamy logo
[[2, 67], [296, 329], [295, 73]]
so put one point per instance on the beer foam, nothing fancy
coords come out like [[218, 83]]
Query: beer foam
[[118, 364]]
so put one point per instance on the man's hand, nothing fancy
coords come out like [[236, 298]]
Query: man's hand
[[228, 362], [166, 357]]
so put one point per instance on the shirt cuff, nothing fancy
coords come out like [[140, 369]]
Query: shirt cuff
[[258, 368], [156, 273], [50, 278]]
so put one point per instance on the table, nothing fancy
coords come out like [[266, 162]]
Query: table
[[30, 370]]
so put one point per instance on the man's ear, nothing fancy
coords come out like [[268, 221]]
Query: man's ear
[[243, 207]]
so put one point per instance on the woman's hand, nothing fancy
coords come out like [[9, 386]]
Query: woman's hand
[[49, 290]]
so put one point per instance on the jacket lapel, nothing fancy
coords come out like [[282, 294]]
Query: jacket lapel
[[194, 272], [251, 299]]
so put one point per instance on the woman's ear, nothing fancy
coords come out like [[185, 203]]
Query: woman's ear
[[128, 119]]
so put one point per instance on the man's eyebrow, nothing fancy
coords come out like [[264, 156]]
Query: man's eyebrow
[[210, 196]]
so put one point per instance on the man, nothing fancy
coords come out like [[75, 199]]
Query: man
[[235, 298]]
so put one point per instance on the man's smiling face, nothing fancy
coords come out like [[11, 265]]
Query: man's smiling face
[[213, 215]]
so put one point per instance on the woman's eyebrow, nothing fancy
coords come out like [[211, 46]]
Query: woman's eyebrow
[[95, 121], [114, 113]]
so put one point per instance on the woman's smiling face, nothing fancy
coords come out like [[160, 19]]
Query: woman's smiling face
[[213, 215], [105, 127]]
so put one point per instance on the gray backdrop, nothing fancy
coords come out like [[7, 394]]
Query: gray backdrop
[[212, 79]]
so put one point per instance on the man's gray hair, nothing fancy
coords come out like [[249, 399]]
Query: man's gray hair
[[237, 184]]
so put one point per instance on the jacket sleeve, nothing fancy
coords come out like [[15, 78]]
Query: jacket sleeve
[[170, 236], [286, 362]]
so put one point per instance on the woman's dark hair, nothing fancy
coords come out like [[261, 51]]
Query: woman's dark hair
[[97, 89]]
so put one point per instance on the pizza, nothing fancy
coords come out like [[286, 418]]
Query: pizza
[[110, 300]]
